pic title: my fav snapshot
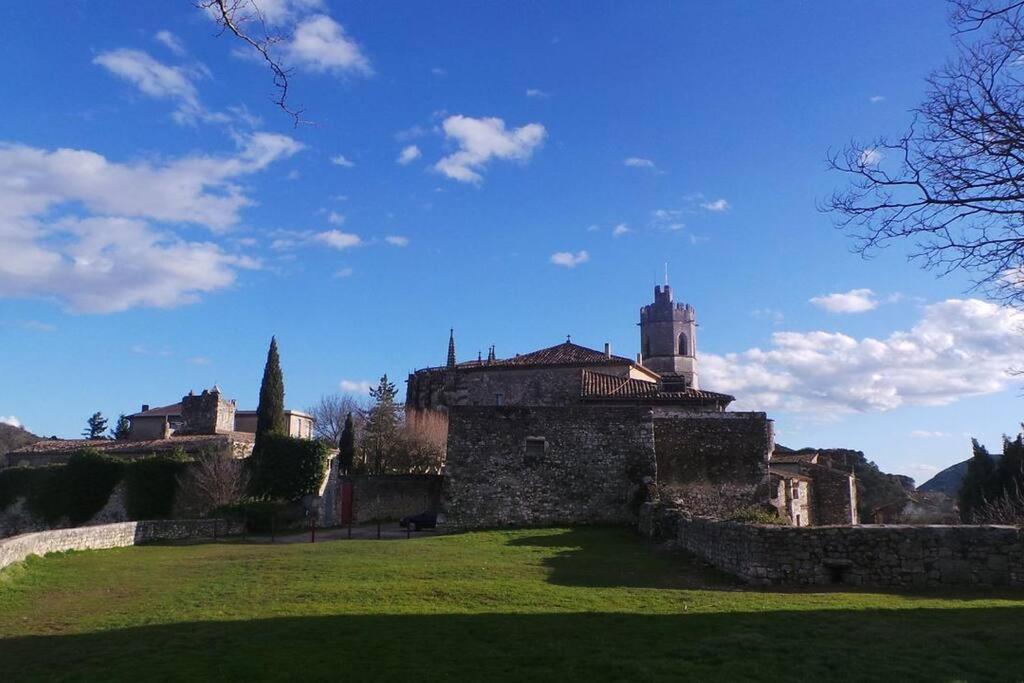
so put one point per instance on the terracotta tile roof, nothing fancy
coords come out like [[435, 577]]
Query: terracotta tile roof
[[600, 385], [173, 409], [785, 458], [114, 447], [565, 353]]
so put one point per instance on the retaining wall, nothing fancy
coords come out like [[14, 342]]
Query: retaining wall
[[870, 555], [17, 548]]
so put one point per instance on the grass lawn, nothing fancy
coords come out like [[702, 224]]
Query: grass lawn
[[569, 604]]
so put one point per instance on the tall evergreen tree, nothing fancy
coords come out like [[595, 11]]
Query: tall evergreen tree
[[347, 446], [381, 431], [95, 426], [121, 429], [978, 483], [1010, 469], [270, 411]]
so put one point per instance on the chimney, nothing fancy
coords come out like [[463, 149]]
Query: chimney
[[607, 350], [639, 359], [145, 407]]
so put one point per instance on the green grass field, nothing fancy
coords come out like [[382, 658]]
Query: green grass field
[[575, 604]]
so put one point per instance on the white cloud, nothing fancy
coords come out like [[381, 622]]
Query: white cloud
[[538, 94], [351, 386], [155, 79], [481, 140], [199, 360], [397, 240], [875, 99], [667, 219], [170, 41], [958, 348], [718, 205], [854, 301], [344, 272], [409, 154], [108, 256], [10, 420], [320, 44], [569, 259], [925, 434], [439, 72], [335, 218], [338, 239], [870, 157], [638, 162], [620, 230], [340, 160]]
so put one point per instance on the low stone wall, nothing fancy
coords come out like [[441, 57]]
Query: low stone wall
[[390, 497], [17, 548], [870, 555]]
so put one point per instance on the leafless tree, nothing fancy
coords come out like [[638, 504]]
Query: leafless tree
[[214, 479], [953, 184], [329, 414], [246, 21]]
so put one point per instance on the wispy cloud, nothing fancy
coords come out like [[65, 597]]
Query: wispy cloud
[[409, 154], [338, 239], [620, 230], [397, 240], [567, 259], [355, 386], [638, 162], [875, 99], [853, 301], [340, 160], [870, 157], [537, 94], [716, 205], [10, 420], [171, 42]]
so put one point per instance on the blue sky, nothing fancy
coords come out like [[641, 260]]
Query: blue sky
[[160, 218]]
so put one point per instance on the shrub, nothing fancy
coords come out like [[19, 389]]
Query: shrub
[[287, 468], [151, 485], [757, 515], [261, 516], [214, 480]]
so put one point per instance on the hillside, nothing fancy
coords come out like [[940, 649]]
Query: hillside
[[948, 480], [14, 437]]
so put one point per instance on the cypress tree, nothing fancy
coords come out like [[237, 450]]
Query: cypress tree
[[270, 412], [347, 446], [977, 484]]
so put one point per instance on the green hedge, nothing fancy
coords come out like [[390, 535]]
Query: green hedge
[[287, 468], [151, 486], [80, 489]]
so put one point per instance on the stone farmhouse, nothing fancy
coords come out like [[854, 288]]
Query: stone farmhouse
[[204, 422], [569, 434]]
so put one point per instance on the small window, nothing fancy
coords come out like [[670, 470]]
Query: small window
[[798, 520], [647, 348], [499, 399], [535, 449], [684, 345]]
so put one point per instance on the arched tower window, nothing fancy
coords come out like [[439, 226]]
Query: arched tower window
[[684, 345], [647, 348]]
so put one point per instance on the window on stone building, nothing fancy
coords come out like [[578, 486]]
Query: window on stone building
[[499, 399], [796, 490], [684, 345], [647, 348], [536, 446]]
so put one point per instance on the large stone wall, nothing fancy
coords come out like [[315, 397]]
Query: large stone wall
[[16, 519], [900, 556], [390, 497], [711, 448], [17, 548], [594, 465]]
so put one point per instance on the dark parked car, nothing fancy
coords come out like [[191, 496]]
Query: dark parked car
[[424, 520]]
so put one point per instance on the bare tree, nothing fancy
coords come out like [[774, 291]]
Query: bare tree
[[246, 21], [213, 480], [329, 414], [953, 184]]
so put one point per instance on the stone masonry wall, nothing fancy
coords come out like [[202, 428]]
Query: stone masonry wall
[[899, 556], [17, 548], [712, 448], [390, 497], [594, 465]]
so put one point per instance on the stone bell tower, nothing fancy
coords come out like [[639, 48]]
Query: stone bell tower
[[668, 340]]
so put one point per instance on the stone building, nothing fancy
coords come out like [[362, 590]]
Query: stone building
[[199, 423], [570, 434]]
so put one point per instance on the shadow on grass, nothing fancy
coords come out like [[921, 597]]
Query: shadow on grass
[[918, 644], [614, 557]]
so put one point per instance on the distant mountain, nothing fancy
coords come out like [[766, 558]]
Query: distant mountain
[[948, 480], [14, 437]]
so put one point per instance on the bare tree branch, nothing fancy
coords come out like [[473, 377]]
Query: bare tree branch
[[236, 16], [953, 185]]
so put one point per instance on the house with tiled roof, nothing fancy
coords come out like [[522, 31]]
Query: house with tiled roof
[[569, 434]]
